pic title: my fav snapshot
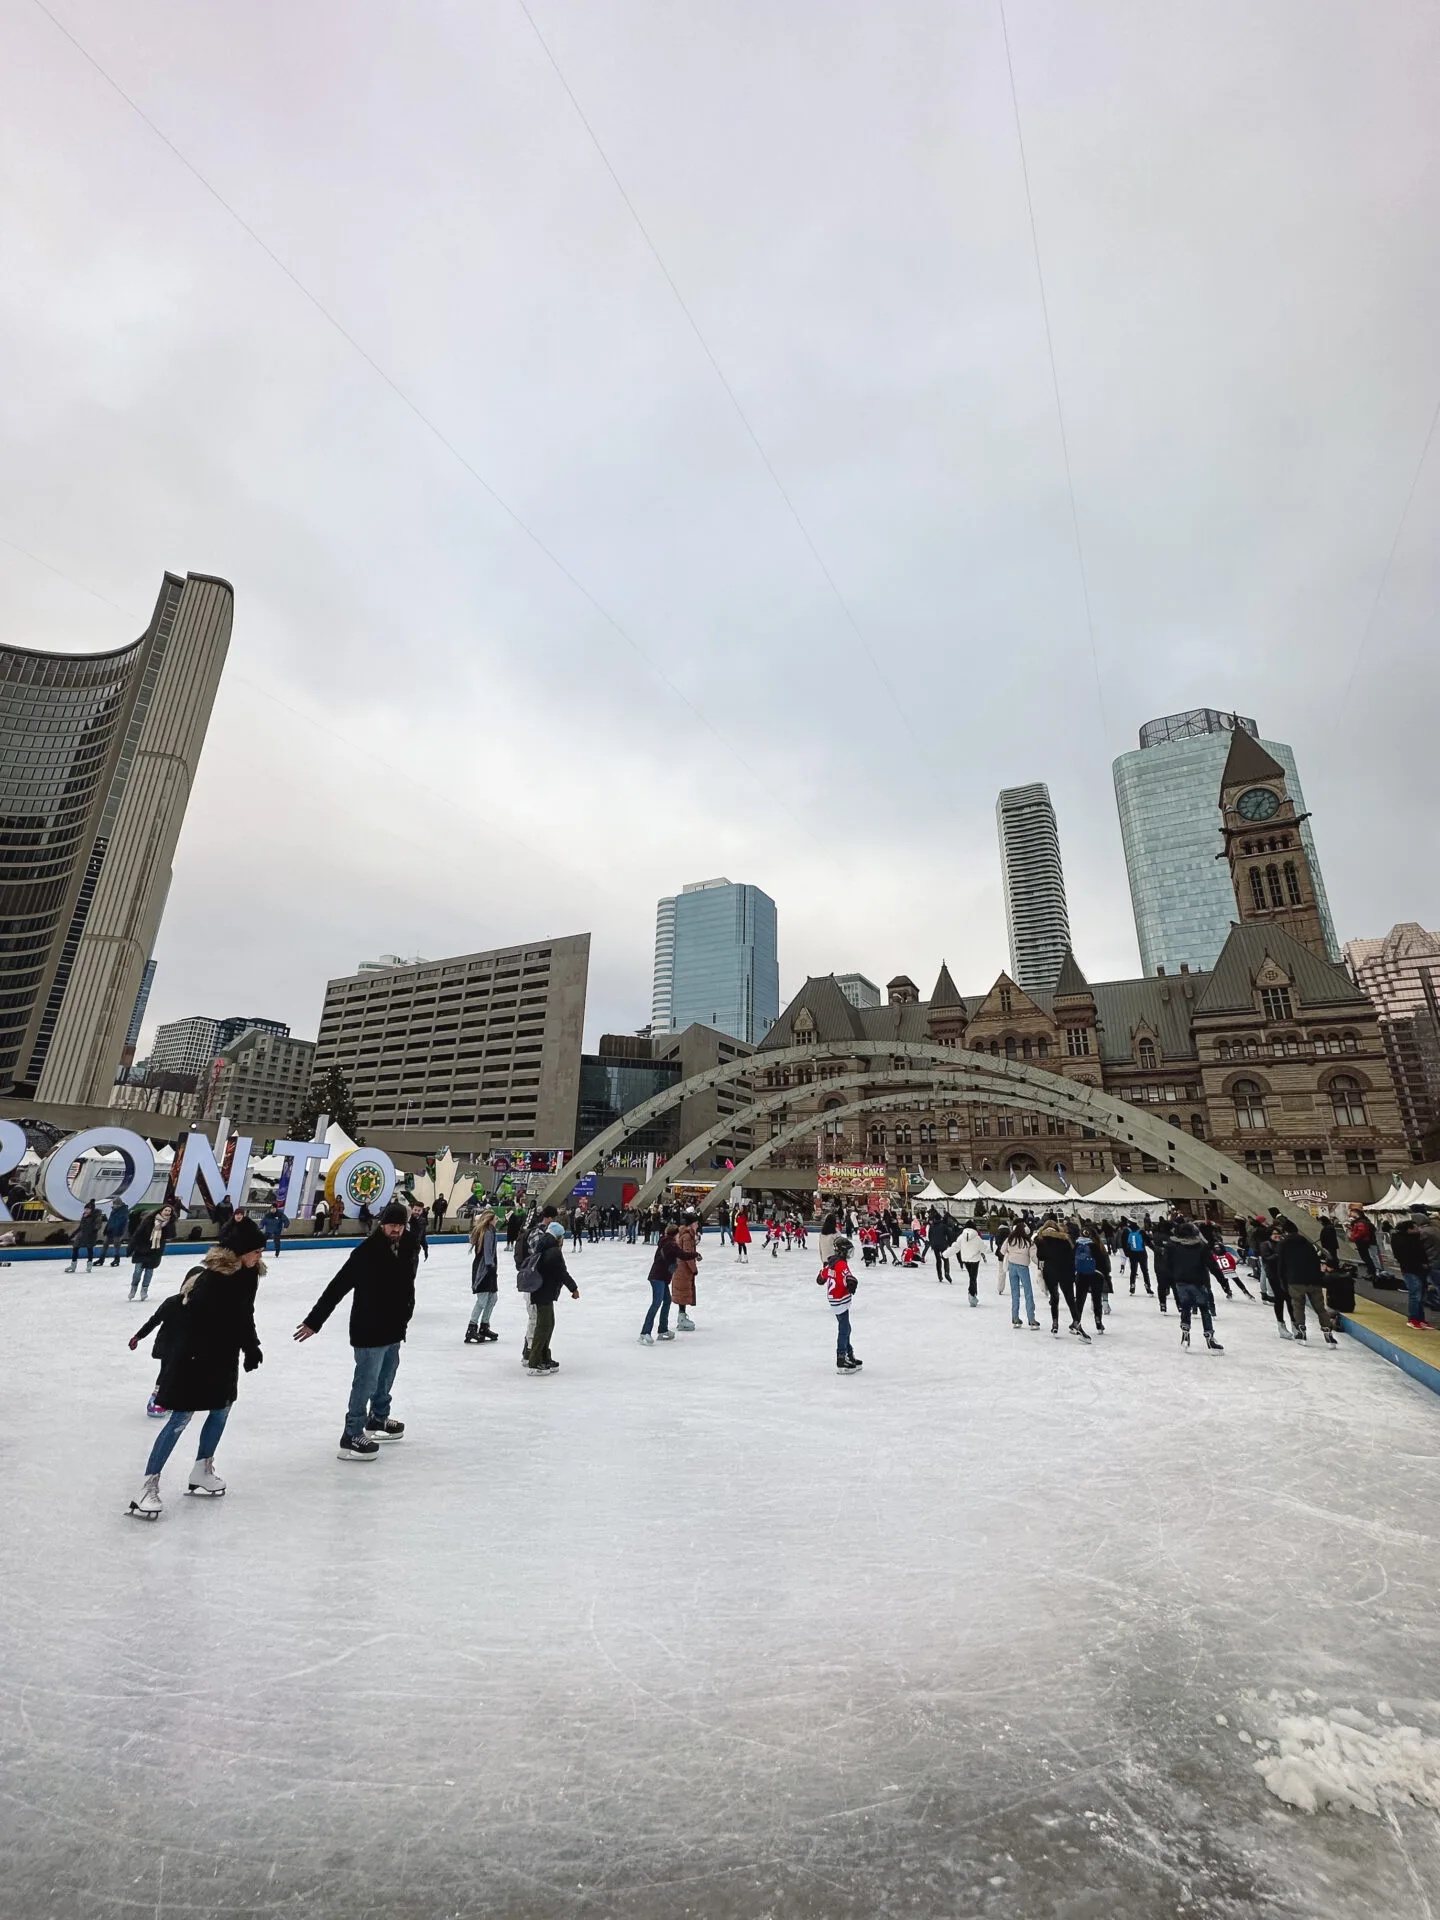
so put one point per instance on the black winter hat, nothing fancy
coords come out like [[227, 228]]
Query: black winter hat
[[395, 1215], [242, 1236]]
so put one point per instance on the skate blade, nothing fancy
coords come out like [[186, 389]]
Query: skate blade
[[138, 1513], [208, 1493]]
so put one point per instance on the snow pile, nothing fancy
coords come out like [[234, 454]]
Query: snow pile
[[1345, 1759]]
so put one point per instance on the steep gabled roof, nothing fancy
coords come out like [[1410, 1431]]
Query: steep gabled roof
[[1317, 982], [945, 993], [1248, 760], [988, 1004], [835, 1018], [1071, 980]]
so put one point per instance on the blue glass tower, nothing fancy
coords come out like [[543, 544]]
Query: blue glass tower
[[725, 970], [1168, 796]]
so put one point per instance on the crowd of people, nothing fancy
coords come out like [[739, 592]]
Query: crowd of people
[[205, 1332]]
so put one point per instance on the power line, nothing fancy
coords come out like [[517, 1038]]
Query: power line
[[1054, 370], [413, 407], [716, 368]]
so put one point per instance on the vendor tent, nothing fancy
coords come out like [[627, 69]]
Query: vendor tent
[[932, 1194], [1119, 1192], [1031, 1192]]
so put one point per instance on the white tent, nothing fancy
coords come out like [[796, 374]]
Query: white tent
[[931, 1193], [984, 1191], [1429, 1195], [1031, 1192], [1397, 1200], [1118, 1192], [337, 1144]]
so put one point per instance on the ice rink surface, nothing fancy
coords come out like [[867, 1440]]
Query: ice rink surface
[[996, 1627]]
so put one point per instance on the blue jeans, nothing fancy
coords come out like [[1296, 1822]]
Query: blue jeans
[[370, 1389], [842, 1334], [173, 1428], [659, 1303], [1020, 1277], [275, 1236], [1415, 1285]]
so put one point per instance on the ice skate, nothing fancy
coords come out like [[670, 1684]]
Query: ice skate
[[147, 1507], [1034, 1326], [1017, 1323], [204, 1479], [1184, 1336], [384, 1429], [665, 1333], [488, 1333], [134, 1288], [1213, 1344], [973, 1301], [1283, 1331], [685, 1323], [360, 1448], [473, 1336], [1076, 1328], [1299, 1334], [1330, 1340], [647, 1339]]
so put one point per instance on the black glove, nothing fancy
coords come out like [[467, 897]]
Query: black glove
[[252, 1360]]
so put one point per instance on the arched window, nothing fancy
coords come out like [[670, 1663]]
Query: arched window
[[1249, 1104], [1146, 1051], [1175, 1120], [1044, 1049], [1292, 883], [994, 1049], [952, 1129], [1347, 1102], [1028, 1050], [1272, 880], [1197, 1126], [1349, 1043], [1257, 888]]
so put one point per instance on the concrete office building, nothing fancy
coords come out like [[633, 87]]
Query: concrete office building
[[1165, 794], [184, 1046], [1036, 917], [716, 961], [97, 757], [478, 1051], [859, 991], [260, 1079]]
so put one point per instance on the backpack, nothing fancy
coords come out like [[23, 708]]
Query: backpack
[[1084, 1257], [529, 1276], [1135, 1240]]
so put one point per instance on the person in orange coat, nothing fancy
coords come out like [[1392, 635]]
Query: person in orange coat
[[687, 1259]]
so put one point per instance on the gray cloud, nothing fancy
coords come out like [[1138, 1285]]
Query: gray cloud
[[1236, 213]]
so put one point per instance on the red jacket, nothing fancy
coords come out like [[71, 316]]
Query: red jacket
[[839, 1285]]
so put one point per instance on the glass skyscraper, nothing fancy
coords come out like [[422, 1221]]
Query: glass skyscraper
[[1168, 795], [716, 961]]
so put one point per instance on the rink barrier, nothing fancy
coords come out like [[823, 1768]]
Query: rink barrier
[[1426, 1372], [197, 1249]]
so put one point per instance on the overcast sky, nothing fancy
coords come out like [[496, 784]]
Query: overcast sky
[[430, 739]]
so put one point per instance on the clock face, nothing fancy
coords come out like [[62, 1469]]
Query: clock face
[[1258, 803]]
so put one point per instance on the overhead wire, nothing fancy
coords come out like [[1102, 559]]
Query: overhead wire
[[708, 351], [1054, 368], [1384, 582], [413, 407]]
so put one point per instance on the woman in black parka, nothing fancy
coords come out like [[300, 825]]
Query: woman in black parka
[[203, 1331]]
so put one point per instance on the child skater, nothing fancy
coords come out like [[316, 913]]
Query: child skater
[[840, 1287]]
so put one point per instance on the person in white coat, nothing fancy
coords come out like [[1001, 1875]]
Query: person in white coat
[[970, 1249]]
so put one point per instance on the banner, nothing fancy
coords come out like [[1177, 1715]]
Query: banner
[[852, 1177]]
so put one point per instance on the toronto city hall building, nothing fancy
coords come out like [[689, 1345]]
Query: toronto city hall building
[[97, 758], [1179, 885]]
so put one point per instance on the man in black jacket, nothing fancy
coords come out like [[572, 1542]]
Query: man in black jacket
[[381, 1270], [554, 1274], [1190, 1266], [1300, 1270]]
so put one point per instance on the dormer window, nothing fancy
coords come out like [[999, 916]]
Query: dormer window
[[1275, 1003], [1146, 1053], [1005, 1000]]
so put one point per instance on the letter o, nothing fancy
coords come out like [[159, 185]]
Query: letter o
[[139, 1161], [365, 1176]]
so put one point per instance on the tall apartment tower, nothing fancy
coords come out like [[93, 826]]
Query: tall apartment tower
[[1036, 916], [662, 992], [716, 961], [97, 757], [1182, 895]]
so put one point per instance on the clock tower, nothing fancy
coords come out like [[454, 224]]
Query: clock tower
[[1269, 867]]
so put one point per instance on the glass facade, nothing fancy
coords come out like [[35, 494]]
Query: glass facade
[[610, 1088], [1168, 798], [726, 963], [1036, 916], [60, 724]]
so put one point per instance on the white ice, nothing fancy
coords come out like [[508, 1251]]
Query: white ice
[[704, 1628]]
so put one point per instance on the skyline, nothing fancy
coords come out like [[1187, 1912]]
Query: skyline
[[864, 275]]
